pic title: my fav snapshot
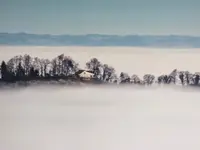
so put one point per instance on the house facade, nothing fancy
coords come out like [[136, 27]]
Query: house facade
[[85, 75]]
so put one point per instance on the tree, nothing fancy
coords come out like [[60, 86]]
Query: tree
[[20, 72], [4, 71], [13, 63], [54, 67], [69, 66], [63, 65], [148, 79], [43, 65], [135, 79], [108, 73], [181, 77], [60, 59], [46, 64], [37, 65], [33, 73], [124, 78], [95, 65], [27, 61]]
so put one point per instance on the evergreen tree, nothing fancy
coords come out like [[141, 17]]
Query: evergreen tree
[[4, 71]]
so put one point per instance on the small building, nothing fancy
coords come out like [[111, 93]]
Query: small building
[[85, 75]]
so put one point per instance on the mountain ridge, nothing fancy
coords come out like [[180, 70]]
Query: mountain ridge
[[26, 39]]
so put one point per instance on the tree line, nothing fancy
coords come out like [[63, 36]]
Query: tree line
[[27, 68]]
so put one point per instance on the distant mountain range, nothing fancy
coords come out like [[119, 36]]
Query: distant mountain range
[[25, 39]]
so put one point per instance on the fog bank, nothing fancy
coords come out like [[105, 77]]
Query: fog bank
[[101, 118]]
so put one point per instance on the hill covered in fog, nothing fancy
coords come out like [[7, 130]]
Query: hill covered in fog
[[99, 40]]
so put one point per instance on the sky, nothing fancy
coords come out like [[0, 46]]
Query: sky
[[122, 17]]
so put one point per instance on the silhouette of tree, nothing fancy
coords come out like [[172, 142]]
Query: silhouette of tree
[[108, 73], [181, 77], [20, 72], [95, 65], [69, 66], [11, 65], [27, 64], [55, 66], [4, 71], [33, 73], [46, 66], [63, 66], [124, 78], [37, 65], [135, 79], [196, 78], [148, 79], [60, 60]]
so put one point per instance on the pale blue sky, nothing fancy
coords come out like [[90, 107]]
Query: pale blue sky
[[153, 17]]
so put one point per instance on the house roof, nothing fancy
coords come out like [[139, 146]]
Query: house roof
[[80, 71], [86, 74]]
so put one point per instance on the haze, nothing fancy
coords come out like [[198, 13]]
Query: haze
[[103, 118]]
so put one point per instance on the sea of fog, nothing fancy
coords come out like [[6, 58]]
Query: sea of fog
[[100, 118], [103, 117]]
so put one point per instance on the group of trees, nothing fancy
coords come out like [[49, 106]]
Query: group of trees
[[20, 68], [26, 68]]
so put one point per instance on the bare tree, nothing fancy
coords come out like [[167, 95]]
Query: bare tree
[[60, 59], [95, 65], [27, 64], [69, 66], [13, 63], [36, 65], [55, 66], [44, 64]]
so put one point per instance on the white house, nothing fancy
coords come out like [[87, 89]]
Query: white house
[[84, 74]]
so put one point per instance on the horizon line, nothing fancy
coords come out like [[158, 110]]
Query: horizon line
[[134, 34]]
